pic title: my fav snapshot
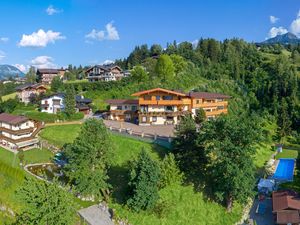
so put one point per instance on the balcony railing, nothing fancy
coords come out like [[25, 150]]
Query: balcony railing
[[216, 112], [161, 102]]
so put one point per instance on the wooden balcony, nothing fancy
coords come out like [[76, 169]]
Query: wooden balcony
[[211, 104], [161, 102], [216, 112], [16, 132], [165, 113], [122, 112]]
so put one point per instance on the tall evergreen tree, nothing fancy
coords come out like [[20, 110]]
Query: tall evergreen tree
[[89, 157], [70, 101], [144, 180]]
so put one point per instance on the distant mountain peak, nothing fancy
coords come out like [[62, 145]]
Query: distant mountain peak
[[7, 71], [287, 38]]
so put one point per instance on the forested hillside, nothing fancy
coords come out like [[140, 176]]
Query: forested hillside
[[261, 79]]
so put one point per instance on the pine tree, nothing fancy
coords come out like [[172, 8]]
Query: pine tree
[[70, 102], [89, 157], [144, 180]]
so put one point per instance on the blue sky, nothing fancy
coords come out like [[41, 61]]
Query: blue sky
[[61, 32]]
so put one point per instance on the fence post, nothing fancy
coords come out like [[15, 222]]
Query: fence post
[[142, 135], [155, 137], [169, 139]]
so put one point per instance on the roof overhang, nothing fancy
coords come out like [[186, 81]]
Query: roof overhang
[[158, 89]]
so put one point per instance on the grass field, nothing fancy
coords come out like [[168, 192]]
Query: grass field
[[9, 96], [287, 154]]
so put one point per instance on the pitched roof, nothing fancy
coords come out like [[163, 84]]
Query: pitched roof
[[285, 200], [51, 71], [207, 95], [106, 67], [25, 86], [12, 119], [158, 89], [288, 216], [122, 101]]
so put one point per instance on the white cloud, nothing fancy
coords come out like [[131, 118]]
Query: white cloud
[[2, 55], [274, 31], [51, 10], [43, 62], [4, 39], [97, 35], [273, 19], [21, 67], [295, 25], [40, 38], [110, 33]]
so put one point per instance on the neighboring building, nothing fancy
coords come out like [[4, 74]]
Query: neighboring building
[[55, 104], [160, 106], [26, 92], [18, 132], [286, 206], [124, 109], [105, 73], [46, 76], [83, 104]]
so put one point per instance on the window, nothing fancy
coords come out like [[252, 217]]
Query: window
[[169, 108], [133, 108], [144, 119], [157, 97], [154, 118], [168, 97], [147, 97], [125, 107], [197, 101], [220, 107], [119, 107]]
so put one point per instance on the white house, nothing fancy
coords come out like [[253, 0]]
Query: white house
[[53, 104], [18, 132]]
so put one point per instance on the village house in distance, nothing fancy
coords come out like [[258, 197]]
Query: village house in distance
[[55, 103], [45, 76], [109, 72], [18, 132], [160, 106], [26, 92]]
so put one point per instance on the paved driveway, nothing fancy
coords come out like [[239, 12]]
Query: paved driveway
[[161, 130], [265, 219]]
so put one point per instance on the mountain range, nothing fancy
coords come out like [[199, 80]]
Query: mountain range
[[7, 71], [284, 39]]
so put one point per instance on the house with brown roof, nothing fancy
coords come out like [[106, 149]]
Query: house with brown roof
[[109, 72], [45, 76], [18, 132], [27, 92], [160, 106], [286, 207]]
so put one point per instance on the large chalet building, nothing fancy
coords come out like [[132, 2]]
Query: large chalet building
[[161, 106], [26, 92], [18, 132], [45, 76], [109, 72]]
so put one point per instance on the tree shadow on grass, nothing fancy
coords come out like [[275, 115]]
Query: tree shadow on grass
[[118, 178]]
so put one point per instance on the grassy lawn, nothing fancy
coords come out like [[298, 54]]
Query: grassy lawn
[[60, 135], [9, 96], [287, 154], [30, 156]]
